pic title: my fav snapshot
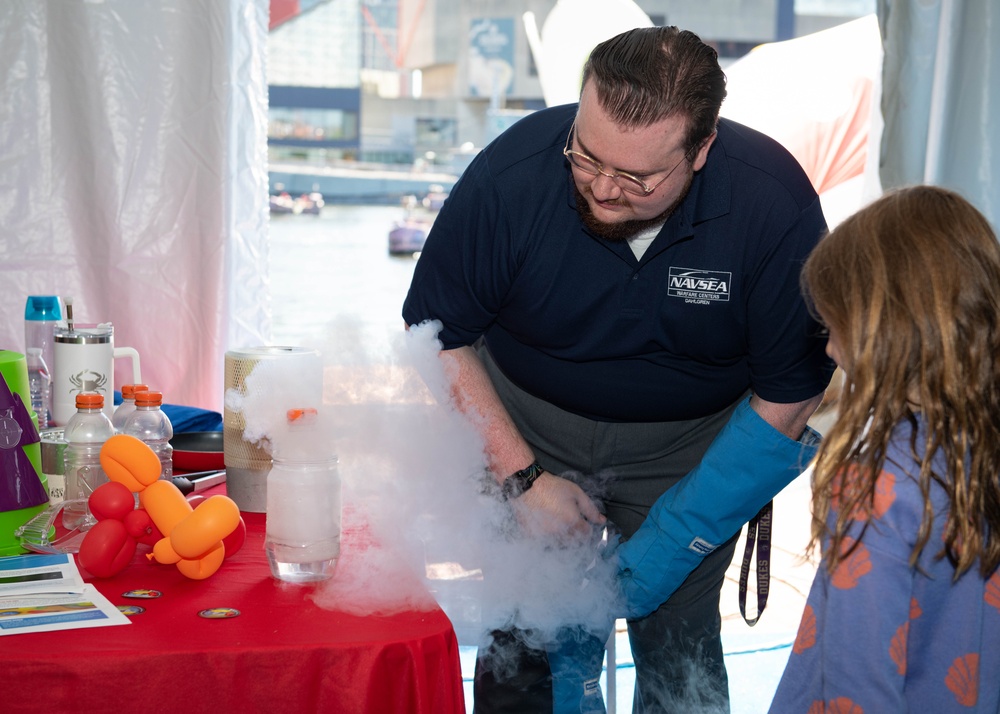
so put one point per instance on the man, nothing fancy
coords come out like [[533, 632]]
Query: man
[[614, 278]]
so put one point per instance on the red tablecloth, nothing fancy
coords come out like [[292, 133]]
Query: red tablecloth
[[281, 654]]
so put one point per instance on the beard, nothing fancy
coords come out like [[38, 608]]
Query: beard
[[620, 231]]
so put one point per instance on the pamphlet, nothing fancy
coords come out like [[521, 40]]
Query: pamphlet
[[40, 593], [28, 574]]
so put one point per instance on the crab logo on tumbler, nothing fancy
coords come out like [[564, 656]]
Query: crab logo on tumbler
[[88, 381], [84, 357]]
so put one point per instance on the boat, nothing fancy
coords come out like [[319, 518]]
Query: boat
[[282, 203], [308, 203], [407, 235], [435, 198]]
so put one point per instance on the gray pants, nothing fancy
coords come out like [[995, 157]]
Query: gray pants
[[626, 466]]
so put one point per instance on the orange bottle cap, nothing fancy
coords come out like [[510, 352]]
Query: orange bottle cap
[[89, 400], [297, 414], [129, 390], [148, 398]]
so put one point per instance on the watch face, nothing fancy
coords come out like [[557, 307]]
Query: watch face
[[514, 486], [511, 487]]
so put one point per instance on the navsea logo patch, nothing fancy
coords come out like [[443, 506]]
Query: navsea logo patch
[[699, 286]]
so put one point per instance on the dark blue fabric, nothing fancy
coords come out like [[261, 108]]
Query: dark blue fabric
[[580, 322]]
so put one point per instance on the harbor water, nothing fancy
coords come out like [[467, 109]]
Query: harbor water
[[335, 267]]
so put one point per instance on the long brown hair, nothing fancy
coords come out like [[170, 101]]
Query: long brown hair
[[910, 287]]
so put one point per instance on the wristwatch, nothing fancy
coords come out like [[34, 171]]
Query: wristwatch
[[516, 484]]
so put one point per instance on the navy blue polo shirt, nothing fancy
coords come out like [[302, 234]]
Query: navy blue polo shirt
[[712, 308]]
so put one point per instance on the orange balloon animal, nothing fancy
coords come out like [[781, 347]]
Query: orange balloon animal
[[192, 537]]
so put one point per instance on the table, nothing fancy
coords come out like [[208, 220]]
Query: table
[[282, 653]]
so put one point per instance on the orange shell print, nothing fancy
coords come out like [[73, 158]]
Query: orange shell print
[[885, 493], [851, 481], [844, 487], [915, 610], [843, 705], [897, 648], [992, 596], [963, 678], [850, 570], [806, 636]]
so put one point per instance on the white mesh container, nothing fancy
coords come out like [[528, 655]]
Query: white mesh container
[[248, 460]]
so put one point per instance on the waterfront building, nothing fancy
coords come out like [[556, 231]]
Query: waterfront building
[[426, 83]]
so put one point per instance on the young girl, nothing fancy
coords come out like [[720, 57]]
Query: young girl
[[904, 613]]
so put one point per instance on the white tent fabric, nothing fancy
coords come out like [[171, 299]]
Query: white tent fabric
[[133, 178], [816, 95], [941, 78], [570, 31]]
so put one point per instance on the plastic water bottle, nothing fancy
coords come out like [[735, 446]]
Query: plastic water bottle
[[85, 433], [123, 410], [302, 539], [40, 385], [41, 314], [150, 424]]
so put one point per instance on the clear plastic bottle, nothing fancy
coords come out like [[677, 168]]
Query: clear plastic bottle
[[150, 424], [41, 315], [123, 410], [85, 433], [40, 385], [303, 505]]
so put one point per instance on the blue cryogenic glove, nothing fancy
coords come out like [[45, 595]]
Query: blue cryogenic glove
[[576, 661], [746, 465]]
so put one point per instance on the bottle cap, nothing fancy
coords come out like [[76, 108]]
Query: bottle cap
[[89, 400], [42, 307], [298, 415], [147, 398], [129, 390]]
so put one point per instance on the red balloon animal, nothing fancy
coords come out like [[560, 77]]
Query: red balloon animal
[[195, 539]]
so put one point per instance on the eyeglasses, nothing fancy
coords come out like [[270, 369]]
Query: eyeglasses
[[625, 181]]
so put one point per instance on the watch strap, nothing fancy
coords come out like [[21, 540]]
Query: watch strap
[[519, 482]]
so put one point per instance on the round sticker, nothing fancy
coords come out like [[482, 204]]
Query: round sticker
[[131, 609], [142, 594], [219, 613], [10, 432]]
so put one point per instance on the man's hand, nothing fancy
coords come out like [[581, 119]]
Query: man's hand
[[554, 506]]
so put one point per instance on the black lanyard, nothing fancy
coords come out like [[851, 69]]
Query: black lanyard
[[759, 534]]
